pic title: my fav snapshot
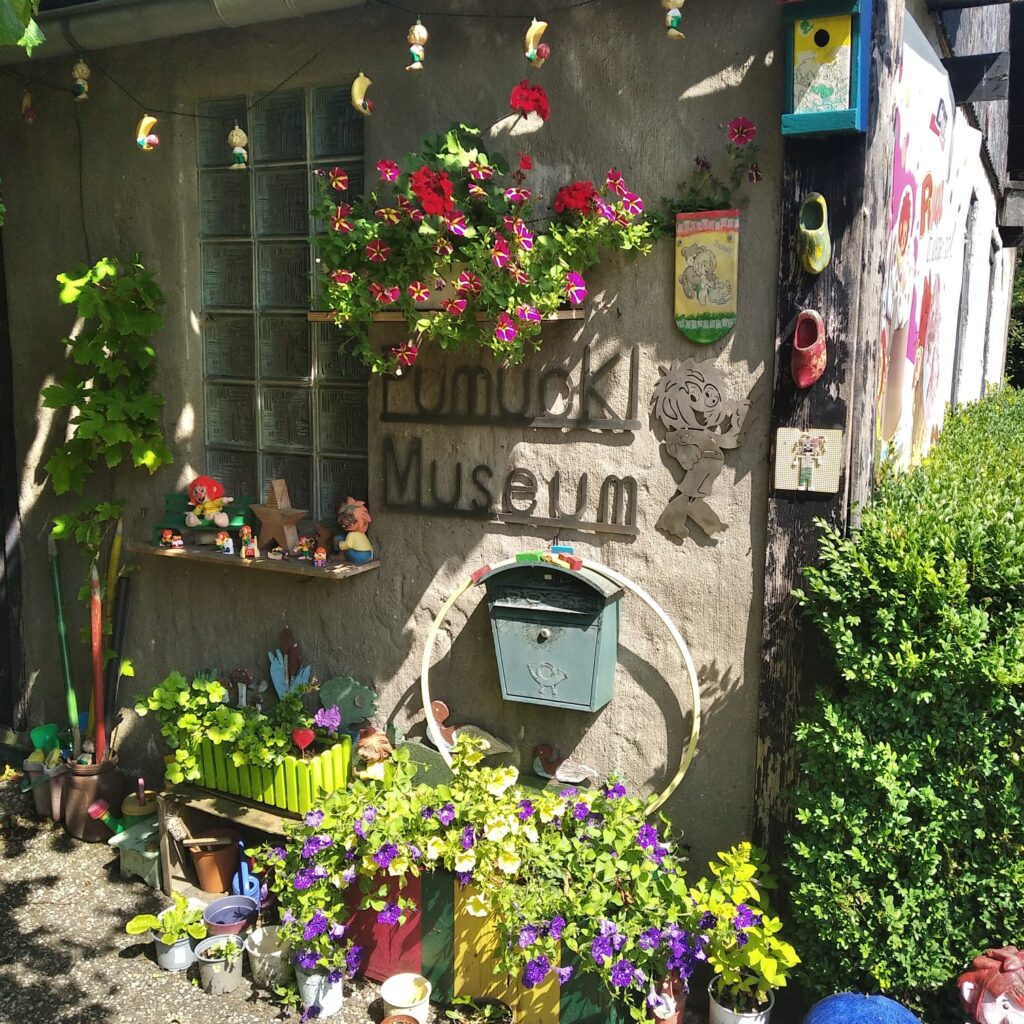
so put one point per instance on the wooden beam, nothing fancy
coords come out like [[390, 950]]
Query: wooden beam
[[855, 175], [1011, 214], [980, 77]]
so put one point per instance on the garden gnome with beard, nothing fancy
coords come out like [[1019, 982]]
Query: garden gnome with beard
[[992, 991]]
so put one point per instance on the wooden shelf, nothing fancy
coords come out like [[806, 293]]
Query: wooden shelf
[[292, 567], [325, 316]]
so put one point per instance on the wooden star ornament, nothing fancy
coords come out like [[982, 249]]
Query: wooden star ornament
[[278, 520]]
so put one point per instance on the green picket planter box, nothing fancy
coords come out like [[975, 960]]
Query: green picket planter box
[[295, 785]]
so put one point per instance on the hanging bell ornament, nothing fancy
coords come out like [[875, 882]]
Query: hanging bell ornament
[[238, 140], [536, 51], [81, 73], [359, 100], [417, 38], [28, 115], [673, 18], [145, 138]]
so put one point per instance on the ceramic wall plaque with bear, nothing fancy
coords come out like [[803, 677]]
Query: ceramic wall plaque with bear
[[707, 273]]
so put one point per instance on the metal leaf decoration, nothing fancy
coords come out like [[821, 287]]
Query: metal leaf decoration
[[356, 702]]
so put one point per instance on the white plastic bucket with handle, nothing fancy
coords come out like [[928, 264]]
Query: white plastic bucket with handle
[[407, 993], [269, 958]]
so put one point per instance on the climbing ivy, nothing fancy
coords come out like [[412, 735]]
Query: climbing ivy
[[17, 24], [113, 414]]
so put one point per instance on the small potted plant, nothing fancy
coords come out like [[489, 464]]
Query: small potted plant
[[173, 932], [466, 1010], [744, 948], [220, 964]]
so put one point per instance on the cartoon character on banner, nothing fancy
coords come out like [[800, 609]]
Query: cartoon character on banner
[[992, 991], [700, 422]]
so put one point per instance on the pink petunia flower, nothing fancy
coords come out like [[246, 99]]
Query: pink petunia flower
[[454, 306], [524, 236], [754, 174], [376, 290], [339, 179], [616, 182], [439, 284], [475, 191], [741, 131], [342, 276], [389, 214], [377, 251], [456, 223], [632, 204], [406, 354], [480, 172], [468, 283], [519, 275], [575, 288], [388, 170], [500, 253], [517, 195], [505, 330], [418, 291], [528, 314], [340, 222], [603, 209]]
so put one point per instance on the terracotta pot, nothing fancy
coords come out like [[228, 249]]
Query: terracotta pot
[[216, 864], [87, 783], [399, 1018]]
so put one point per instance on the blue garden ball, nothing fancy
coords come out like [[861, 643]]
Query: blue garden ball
[[852, 1008]]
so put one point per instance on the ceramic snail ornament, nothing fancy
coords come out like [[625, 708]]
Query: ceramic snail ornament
[[81, 73], [207, 498], [417, 39], [673, 18], [536, 51], [238, 140], [992, 991], [359, 100], [145, 138]]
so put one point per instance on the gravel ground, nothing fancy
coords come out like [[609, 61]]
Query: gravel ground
[[64, 955]]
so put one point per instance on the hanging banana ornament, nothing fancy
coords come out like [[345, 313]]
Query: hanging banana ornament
[[673, 18], [536, 51], [145, 138], [359, 100], [28, 115], [417, 38]]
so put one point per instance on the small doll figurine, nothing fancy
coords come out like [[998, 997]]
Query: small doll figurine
[[320, 558], [238, 140], [81, 74], [206, 496], [354, 519], [417, 38], [247, 547], [536, 51], [176, 541], [673, 18], [992, 991], [225, 545], [165, 538], [305, 548]]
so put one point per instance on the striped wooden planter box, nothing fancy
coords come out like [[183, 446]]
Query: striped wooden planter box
[[456, 952], [295, 785]]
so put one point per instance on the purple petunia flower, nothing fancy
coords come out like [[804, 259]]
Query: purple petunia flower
[[742, 939], [370, 815], [625, 974], [414, 851], [568, 792], [555, 927], [536, 971], [464, 877], [659, 853], [307, 877], [329, 719], [334, 976], [468, 837], [615, 792], [427, 813], [336, 932], [360, 828], [278, 853], [528, 935], [354, 960], [581, 811], [647, 837], [526, 810], [307, 960], [650, 939], [745, 917], [287, 917], [315, 926], [564, 974], [385, 855], [348, 876], [446, 815], [314, 845], [707, 921], [390, 914], [606, 943], [310, 1013], [314, 818]]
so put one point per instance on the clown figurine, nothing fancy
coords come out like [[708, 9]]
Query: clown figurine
[[417, 37], [81, 75], [320, 558], [238, 140], [992, 991], [206, 496], [247, 546], [354, 520], [673, 18]]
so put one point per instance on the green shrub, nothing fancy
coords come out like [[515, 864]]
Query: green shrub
[[1015, 334], [907, 856]]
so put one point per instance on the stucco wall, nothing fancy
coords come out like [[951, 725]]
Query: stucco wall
[[621, 95]]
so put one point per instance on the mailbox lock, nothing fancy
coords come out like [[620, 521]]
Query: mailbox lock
[[544, 634]]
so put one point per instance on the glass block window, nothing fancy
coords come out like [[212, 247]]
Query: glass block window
[[282, 400]]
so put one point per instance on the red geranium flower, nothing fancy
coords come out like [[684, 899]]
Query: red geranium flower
[[525, 162], [741, 131], [527, 98], [433, 189], [577, 196]]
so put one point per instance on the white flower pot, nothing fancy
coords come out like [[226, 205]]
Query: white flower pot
[[316, 989], [409, 994], [718, 1014]]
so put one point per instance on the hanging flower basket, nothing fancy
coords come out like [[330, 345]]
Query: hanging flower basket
[[454, 221]]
